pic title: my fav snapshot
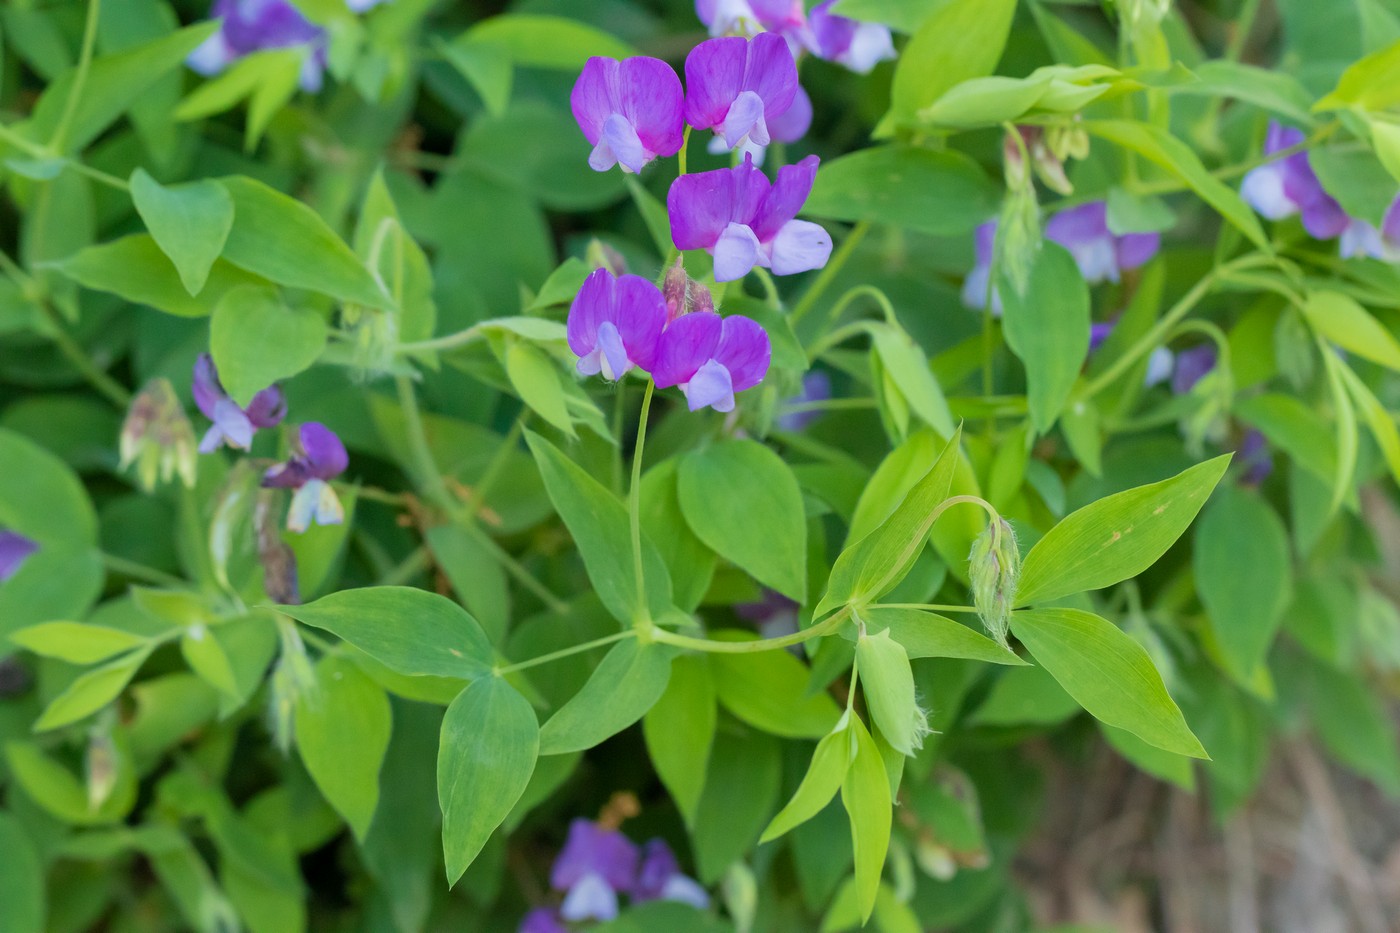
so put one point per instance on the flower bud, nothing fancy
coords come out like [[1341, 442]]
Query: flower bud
[[683, 294], [1018, 238], [1013, 147], [158, 437], [994, 568], [100, 763]]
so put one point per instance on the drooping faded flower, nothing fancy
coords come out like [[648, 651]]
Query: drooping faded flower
[[712, 359], [736, 85], [158, 437], [856, 45], [595, 864], [742, 220], [318, 456], [631, 111], [248, 26], [232, 424], [15, 550], [615, 323], [659, 877]]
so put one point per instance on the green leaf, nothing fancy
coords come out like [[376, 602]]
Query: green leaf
[[1340, 319], [1025, 696], [1355, 726], [411, 631], [826, 773], [476, 575], [690, 563], [1385, 139], [1348, 439], [1159, 146], [742, 500], [1047, 326], [285, 241], [1270, 89], [1243, 575], [256, 340], [205, 655], [189, 223], [929, 635], [342, 731], [486, 65], [1151, 759], [941, 193], [768, 690], [136, 269], [1117, 537], [486, 754], [1108, 672], [76, 642], [545, 41], [1353, 175], [1373, 83], [887, 681], [91, 691], [741, 793], [536, 379], [679, 731], [601, 529], [870, 568], [22, 905], [865, 793], [628, 682], [1380, 421], [961, 39], [907, 366]]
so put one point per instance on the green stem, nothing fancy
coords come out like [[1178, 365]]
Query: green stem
[[497, 465], [830, 404], [566, 652], [750, 647], [680, 156], [408, 568], [770, 289], [634, 505], [836, 337], [42, 152], [418, 447], [80, 76], [517, 570], [74, 353], [861, 291], [830, 271], [449, 342], [137, 571], [926, 607]]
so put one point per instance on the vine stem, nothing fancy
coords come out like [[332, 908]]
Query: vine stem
[[926, 607], [74, 353], [418, 445], [634, 505], [80, 76], [566, 652], [138, 571], [460, 339], [829, 272], [825, 627]]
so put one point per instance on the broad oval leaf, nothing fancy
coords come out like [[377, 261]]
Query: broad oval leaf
[[256, 340], [768, 690], [486, 754], [91, 691], [627, 683], [743, 501], [940, 193], [342, 732], [680, 729], [189, 222], [546, 41], [1117, 537], [411, 631], [1047, 326], [930, 635], [134, 268], [865, 793], [76, 642], [1110, 675], [1343, 321], [960, 39], [22, 904]]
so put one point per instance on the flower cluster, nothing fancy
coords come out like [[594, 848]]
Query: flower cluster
[[596, 865], [1289, 186], [1101, 254], [855, 45], [317, 454], [248, 26], [617, 323]]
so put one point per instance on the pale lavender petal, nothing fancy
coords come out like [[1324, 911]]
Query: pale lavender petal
[[792, 125], [816, 387], [591, 849], [1263, 190], [871, 44], [780, 15], [658, 864], [714, 74], [1390, 225], [1097, 259], [710, 387], [205, 385], [745, 119], [1192, 365], [745, 351], [1361, 239], [233, 424], [302, 511], [687, 890], [858, 46], [726, 16], [15, 550], [1137, 249], [620, 143], [986, 242], [736, 252], [1160, 364], [1079, 225], [785, 198], [589, 899], [686, 345], [212, 55], [612, 354], [702, 205], [800, 246], [974, 290]]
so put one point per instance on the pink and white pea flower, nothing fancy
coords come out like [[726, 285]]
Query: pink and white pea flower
[[712, 359], [615, 323], [630, 111], [736, 86]]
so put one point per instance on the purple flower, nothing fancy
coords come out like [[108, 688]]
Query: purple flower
[[249, 26], [232, 425], [774, 614], [742, 220], [856, 45], [1256, 458], [1098, 333], [1360, 238], [542, 920], [974, 290], [660, 878], [615, 323], [736, 85], [712, 358], [788, 18], [1267, 188], [1101, 255], [593, 866], [816, 387], [788, 128], [318, 456], [15, 549], [630, 111], [1191, 366]]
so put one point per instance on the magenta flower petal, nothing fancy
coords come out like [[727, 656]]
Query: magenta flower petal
[[785, 198], [542, 920], [771, 73], [736, 85], [744, 349], [687, 344], [615, 323], [703, 205], [714, 75], [794, 124], [1137, 249], [631, 111]]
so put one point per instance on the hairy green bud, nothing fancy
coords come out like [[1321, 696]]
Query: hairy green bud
[[994, 567]]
